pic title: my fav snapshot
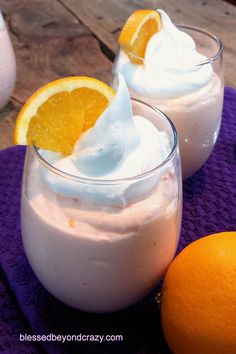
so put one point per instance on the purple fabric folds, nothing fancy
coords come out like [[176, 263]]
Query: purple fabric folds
[[27, 308]]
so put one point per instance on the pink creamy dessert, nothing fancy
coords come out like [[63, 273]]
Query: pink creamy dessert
[[197, 116], [182, 75], [97, 237], [7, 65]]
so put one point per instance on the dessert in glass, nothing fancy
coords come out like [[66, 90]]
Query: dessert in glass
[[101, 221], [177, 69], [7, 65]]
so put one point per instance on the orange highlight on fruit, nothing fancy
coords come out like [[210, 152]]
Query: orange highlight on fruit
[[137, 31], [57, 114], [198, 304]]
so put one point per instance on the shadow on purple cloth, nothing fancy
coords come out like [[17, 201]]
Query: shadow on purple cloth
[[26, 307]]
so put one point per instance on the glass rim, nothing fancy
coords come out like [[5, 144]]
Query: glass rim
[[96, 181], [208, 60]]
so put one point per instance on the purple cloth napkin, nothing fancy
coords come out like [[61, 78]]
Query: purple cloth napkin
[[26, 307]]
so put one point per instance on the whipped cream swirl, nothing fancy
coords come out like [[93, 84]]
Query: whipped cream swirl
[[119, 146], [2, 25], [170, 66]]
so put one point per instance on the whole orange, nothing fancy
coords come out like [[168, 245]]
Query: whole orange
[[198, 304]]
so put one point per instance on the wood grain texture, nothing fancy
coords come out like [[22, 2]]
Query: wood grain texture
[[105, 18], [49, 42], [7, 122]]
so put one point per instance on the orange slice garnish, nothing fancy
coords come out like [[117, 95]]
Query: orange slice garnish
[[57, 114], [137, 31]]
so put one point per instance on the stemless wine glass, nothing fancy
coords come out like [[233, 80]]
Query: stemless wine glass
[[7, 65], [197, 113], [97, 256]]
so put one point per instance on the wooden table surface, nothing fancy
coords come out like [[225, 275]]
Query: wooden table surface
[[54, 38]]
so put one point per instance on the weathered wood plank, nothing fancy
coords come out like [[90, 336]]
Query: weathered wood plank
[[40, 18], [7, 122], [105, 18], [42, 60], [49, 42]]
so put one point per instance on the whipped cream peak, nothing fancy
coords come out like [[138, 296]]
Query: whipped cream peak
[[171, 47], [120, 145], [103, 148], [169, 69], [1, 21]]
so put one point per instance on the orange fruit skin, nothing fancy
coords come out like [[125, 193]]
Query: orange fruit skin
[[198, 306], [137, 31], [55, 116]]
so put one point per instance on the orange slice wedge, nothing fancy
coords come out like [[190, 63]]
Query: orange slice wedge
[[137, 31], [57, 114]]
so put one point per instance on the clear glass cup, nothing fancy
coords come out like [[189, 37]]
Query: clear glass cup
[[7, 65], [196, 115], [102, 258]]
